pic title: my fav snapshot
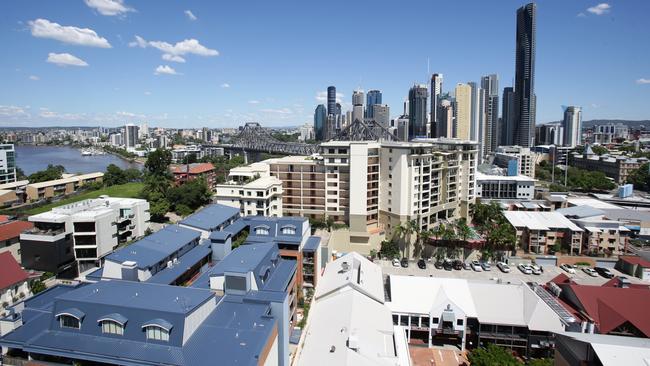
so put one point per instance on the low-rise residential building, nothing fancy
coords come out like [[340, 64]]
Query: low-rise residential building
[[10, 231], [471, 314], [14, 285], [634, 266], [187, 172], [616, 167], [500, 187], [214, 217], [601, 235], [84, 231], [538, 232], [60, 187], [364, 333], [516, 159], [14, 192]]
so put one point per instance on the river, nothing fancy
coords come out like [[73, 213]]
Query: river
[[34, 158]]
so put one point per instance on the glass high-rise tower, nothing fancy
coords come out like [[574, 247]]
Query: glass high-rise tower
[[436, 89], [331, 100], [373, 97], [320, 119], [525, 76], [418, 111]]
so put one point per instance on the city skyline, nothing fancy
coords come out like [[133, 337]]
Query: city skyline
[[207, 70]]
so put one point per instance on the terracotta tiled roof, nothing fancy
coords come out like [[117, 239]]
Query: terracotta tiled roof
[[196, 168], [13, 229], [10, 271]]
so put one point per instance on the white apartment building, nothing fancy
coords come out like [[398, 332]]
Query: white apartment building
[[504, 187], [525, 160], [96, 226], [258, 197]]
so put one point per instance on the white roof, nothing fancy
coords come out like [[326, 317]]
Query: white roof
[[418, 295], [263, 183], [362, 275], [14, 185], [588, 201], [616, 350], [517, 178], [534, 220]]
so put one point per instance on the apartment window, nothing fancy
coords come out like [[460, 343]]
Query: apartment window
[[434, 320], [459, 322], [69, 321], [288, 230], [262, 230], [112, 327], [157, 333]]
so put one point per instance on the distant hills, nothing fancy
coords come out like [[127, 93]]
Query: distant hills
[[633, 124]]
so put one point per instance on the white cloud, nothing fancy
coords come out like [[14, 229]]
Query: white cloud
[[109, 7], [174, 52], [225, 85], [278, 111], [174, 58], [643, 81], [581, 15], [190, 15], [13, 111], [600, 9], [65, 59], [34, 77], [165, 70], [253, 102], [147, 93], [43, 28]]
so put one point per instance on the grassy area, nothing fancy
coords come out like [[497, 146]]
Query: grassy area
[[129, 190]]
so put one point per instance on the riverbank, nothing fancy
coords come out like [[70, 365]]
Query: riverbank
[[36, 158], [136, 160]]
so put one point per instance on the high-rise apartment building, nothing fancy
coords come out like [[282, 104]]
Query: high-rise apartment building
[[463, 95], [508, 117], [478, 114], [445, 125], [372, 98], [331, 100], [357, 106], [7, 163], [490, 85], [572, 126], [436, 90], [130, 136], [418, 111], [525, 76], [320, 120]]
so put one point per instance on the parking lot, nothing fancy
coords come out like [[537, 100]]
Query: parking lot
[[514, 276]]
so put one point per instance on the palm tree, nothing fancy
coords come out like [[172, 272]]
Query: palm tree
[[410, 229], [463, 230]]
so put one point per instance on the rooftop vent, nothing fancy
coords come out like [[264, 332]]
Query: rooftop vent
[[353, 342], [332, 349], [345, 266]]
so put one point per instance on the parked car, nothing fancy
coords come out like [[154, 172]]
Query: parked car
[[568, 268], [590, 271], [476, 266], [604, 272], [503, 267], [438, 264], [395, 262], [422, 264], [537, 270], [467, 266], [404, 262], [457, 264], [525, 268], [486, 266], [446, 265]]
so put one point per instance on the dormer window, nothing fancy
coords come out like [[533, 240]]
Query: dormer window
[[288, 230], [157, 330], [112, 327], [70, 318], [262, 230]]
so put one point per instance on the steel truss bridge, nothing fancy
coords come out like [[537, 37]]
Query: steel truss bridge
[[255, 138]]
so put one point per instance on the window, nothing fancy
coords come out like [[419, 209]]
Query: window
[[434, 320], [112, 327], [157, 333], [69, 321], [261, 230], [288, 230], [459, 322]]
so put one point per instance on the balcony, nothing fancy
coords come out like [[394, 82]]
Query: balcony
[[49, 235]]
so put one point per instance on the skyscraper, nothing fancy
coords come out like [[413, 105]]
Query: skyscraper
[[418, 111], [445, 118], [476, 132], [436, 89], [357, 106], [130, 136], [525, 76], [463, 94], [572, 126], [381, 113], [508, 117], [490, 84], [331, 100], [373, 97], [320, 119]]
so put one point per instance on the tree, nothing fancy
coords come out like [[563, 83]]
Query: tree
[[133, 175], [640, 178], [541, 362], [37, 286], [190, 159], [158, 206], [389, 249], [187, 197], [20, 174], [114, 176], [492, 355], [158, 162], [52, 172]]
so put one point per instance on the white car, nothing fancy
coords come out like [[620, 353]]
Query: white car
[[590, 272], [503, 267], [476, 266], [525, 268], [568, 268], [537, 270], [396, 262]]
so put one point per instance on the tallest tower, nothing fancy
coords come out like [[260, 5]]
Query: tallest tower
[[525, 76]]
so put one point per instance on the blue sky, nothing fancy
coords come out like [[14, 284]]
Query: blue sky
[[77, 62]]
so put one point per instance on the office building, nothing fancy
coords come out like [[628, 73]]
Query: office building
[[490, 86], [525, 76], [508, 114], [130, 136], [516, 160], [550, 134], [84, 231], [504, 187], [610, 133], [572, 126], [477, 118], [331, 101], [436, 90], [402, 128], [357, 106], [320, 120], [7, 163], [445, 124], [418, 111], [373, 97], [463, 108], [381, 114]]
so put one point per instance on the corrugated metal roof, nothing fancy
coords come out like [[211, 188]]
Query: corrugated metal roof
[[211, 217]]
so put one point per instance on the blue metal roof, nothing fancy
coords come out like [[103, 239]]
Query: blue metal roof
[[74, 312], [156, 247], [281, 275], [220, 235], [313, 242], [245, 258], [187, 261], [211, 217], [116, 317], [236, 227], [162, 323]]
